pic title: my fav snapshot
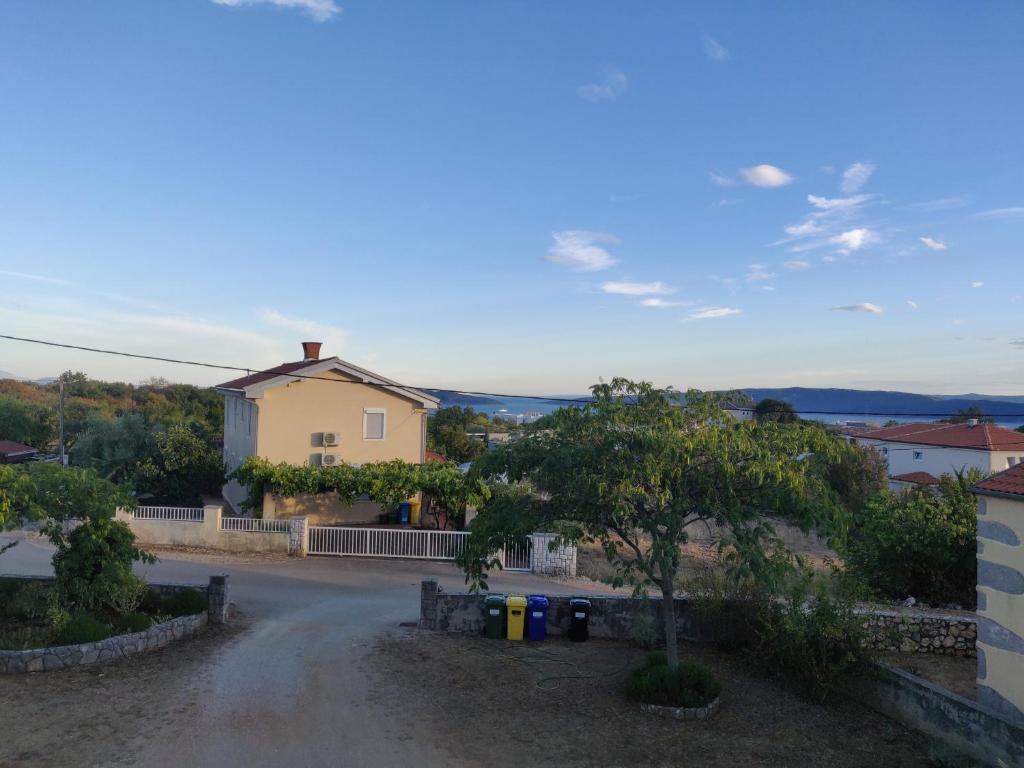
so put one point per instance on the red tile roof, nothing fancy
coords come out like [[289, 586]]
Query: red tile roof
[[920, 478], [1010, 481], [11, 448], [270, 373], [435, 456], [984, 437]]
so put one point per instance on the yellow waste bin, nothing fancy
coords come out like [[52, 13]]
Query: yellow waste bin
[[414, 512], [516, 612]]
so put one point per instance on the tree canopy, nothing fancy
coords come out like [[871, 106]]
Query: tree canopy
[[637, 468], [778, 411]]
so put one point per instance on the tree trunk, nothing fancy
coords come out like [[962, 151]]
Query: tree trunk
[[668, 615]]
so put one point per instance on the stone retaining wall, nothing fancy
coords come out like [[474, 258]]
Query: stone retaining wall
[[117, 647], [618, 618], [909, 631]]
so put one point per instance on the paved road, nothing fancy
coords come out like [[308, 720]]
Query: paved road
[[293, 689]]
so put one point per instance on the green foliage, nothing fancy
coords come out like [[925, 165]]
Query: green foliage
[[810, 635], [691, 684], [114, 447], [918, 543], [183, 468], [82, 628], [17, 498], [446, 433], [777, 411], [132, 622], [645, 631], [186, 603], [856, 475], [27, 422], [94, 567], [636, 468], [966, 414], [24, 637], [31, 602], [507, 517]]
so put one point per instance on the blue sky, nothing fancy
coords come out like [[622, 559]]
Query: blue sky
[[519, 196]]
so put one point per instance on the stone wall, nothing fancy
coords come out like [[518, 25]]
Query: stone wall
[[559, 561], [909, 631], [619, 618], [117, 647]]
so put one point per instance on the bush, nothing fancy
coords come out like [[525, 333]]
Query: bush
[[31, 602], [152, 602], [186, 603], [82, 628], [133, 622], [23, 638], [918, 543], [691, 685], [811, 636]]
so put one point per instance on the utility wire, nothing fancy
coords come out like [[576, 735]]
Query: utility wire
[[499, 395]]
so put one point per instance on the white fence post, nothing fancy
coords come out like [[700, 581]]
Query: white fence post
[[298, 536]]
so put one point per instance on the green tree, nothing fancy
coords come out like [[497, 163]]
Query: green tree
[[918, 543], [856, 475], [966, 414], [778, 411], [184, 468], [448, 492], [29, 423], [636, 470], [115, 447], [447, 433]]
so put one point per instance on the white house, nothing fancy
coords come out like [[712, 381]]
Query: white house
[[739, 412], [918, 454]]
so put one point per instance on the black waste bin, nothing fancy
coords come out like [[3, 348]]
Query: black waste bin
[[494, 617], [579, 619]]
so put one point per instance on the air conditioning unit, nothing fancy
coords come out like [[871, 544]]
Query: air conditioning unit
[[332, 438], [330, 460]]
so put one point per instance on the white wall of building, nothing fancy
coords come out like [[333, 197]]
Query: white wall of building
[[939, 460]]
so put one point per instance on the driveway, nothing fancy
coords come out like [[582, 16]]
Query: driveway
[[292, 688]]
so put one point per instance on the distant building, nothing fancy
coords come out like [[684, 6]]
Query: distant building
[[15, 453], [531, 416], [739, 412], [505, 415], [918, 454]]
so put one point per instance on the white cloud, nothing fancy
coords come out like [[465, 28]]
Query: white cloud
[[865, 307], [765, 175], [712, 313], [837, 203], [1001, 213], [797, 264], [935, 245], [1017, 342], [758, 273], [722, 181], [36, 278], [829, 258], [912, 304], [854, 239], [610, 88], [856, 176], [977, 284], [941, 204], [318, 10], [714, 49], [804, 228], [578, 249], [333, 337], [661, 303], [638, 289]]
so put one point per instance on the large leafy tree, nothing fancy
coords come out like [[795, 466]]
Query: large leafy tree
[[114, 447], [779, 411], [30, 423], [184, 468], [637, 469], [447, 433]]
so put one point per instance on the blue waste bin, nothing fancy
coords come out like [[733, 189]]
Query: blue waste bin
[[536, 617], [403, 512]]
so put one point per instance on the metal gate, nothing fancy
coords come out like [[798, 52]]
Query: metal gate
[[409, 543]]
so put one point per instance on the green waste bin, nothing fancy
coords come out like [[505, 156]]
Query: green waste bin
[[494, 617]]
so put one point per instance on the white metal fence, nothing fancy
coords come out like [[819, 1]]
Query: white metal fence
[[417, 544], [251, 525], [170, 514]]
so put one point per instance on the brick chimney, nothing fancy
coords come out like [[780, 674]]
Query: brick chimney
[[311, 350]]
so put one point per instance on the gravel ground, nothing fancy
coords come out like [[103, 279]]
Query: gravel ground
[[500, 703], [954, 673], [101, 710]]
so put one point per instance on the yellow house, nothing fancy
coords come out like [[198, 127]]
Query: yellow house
[[320, 411], [1001, 592]]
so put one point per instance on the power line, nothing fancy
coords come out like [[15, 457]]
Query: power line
[[250, 371]]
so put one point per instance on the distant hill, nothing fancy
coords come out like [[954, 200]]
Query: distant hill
[[975, 396], [448, 399], [852, 401]]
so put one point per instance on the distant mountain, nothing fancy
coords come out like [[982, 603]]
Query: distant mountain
[[975, 396], [8, 375], [41, 382], [880, 402], [448, 399]]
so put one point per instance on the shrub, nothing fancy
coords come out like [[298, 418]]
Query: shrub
[[811, 635], [152, 602], [82, 628], [186, 603], [31, 602], [691, 685], [918, 543], [133, 622], [646, 632], [23, 638]]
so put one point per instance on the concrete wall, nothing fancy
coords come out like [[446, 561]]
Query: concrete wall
[[1001, 605], [321, 509], [938, 460], [205, 534], [967, 727], [241, 426]]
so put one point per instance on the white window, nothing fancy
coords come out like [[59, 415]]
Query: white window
[[373, 423], [918, 455]]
